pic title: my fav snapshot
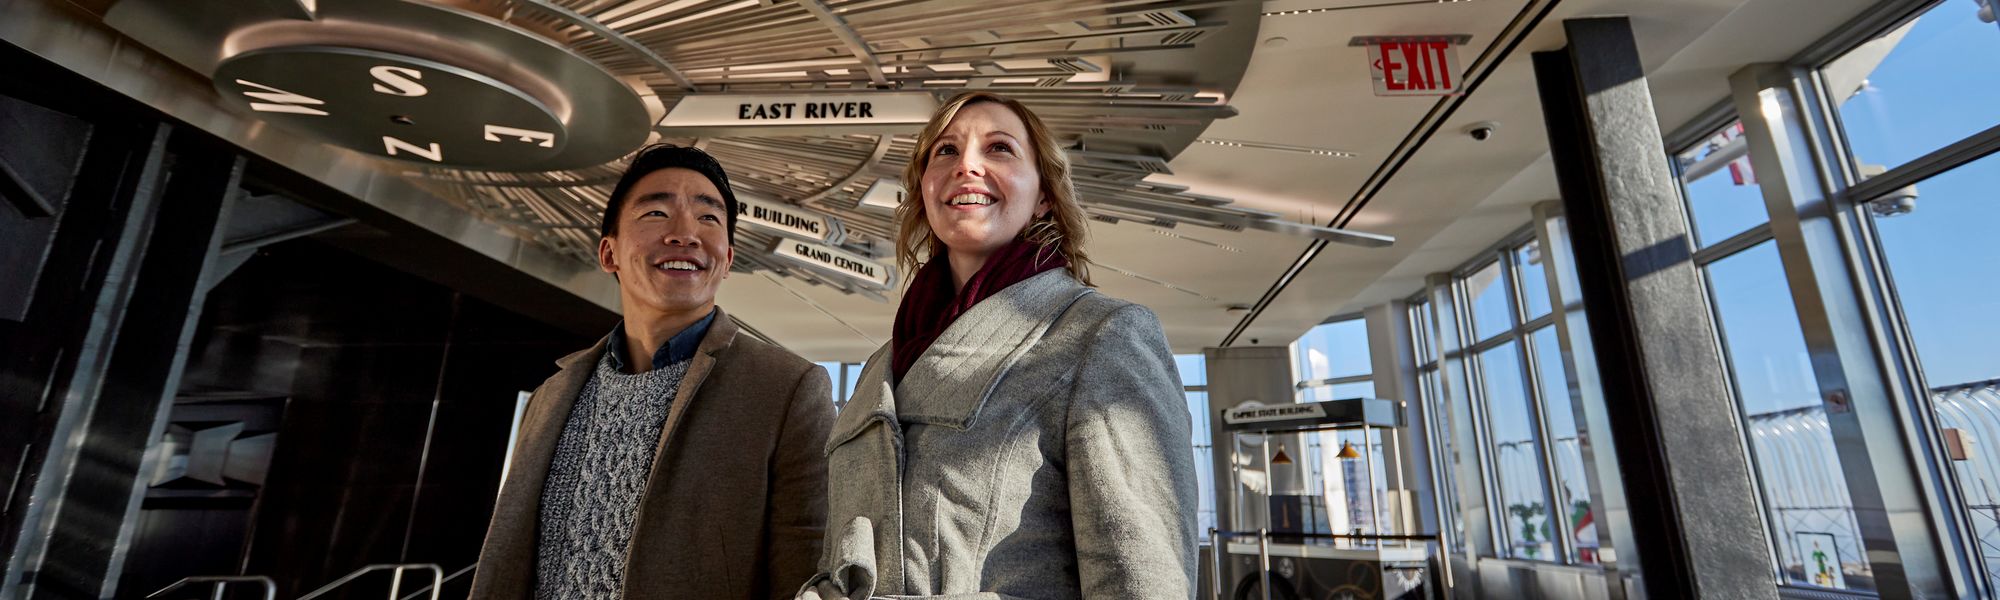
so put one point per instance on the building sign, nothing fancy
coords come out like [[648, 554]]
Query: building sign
[[788, 220], [1282, 412], [836, 260], [767, 110], [1415, 65]]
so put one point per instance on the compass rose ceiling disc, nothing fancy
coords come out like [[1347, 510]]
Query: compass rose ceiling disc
[[397, 106]]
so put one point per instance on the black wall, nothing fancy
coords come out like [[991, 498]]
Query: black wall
[[358, 355]]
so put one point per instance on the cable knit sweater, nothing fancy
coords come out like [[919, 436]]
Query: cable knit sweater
[[597, 477]]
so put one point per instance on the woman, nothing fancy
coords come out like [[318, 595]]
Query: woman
[[1022, 436]]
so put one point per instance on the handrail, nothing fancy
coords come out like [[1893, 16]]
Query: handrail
[[222, 581], [1331, 536], [395, 586], [447, 579]]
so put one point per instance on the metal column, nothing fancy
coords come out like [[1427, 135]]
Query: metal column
[[1685, 469], [115, 411], [1815, 230]]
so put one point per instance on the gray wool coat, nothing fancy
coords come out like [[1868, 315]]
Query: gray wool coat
[[1039, 449]]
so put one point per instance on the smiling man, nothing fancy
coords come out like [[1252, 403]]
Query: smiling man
[[675, 458]]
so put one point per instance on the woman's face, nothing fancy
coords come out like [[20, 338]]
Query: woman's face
[[980, 183]]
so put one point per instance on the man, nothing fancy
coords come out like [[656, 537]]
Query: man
[[676, 458]]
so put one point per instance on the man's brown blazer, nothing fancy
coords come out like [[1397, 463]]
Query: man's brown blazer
[[736, 501]]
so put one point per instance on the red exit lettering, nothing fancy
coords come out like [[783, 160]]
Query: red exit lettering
[[1414, 66]]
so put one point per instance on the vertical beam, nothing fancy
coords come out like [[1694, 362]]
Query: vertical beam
[[1686, 472], [1816, 234], [89, 536], [75, 318], [1462, 423], [1236, 376], [1618, 551], [1393, 360]]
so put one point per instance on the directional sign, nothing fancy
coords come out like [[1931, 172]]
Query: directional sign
[[835, 260], [787, 219], [884, 111], [1414, 65]]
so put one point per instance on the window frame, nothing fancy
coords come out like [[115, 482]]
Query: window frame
[[1519, 331]]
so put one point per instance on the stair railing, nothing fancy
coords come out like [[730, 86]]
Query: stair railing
[[395, 585], [221, 582]]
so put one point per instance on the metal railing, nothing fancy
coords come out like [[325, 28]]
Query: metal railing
[[1217, 550], [221, 582], [447, 579], [395, 585]]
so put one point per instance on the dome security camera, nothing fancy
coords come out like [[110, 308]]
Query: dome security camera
[[1481, 131]]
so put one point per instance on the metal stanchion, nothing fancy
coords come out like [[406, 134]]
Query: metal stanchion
[[1264, 560], [1215, 550], [396, 585]]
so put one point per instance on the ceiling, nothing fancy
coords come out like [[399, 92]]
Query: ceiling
[[1203, 233]]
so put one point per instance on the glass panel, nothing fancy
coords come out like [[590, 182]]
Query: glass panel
[[833, 372], [1918, 88], [1420, 331], [1193, 368], [1488, 292], [1721, 188], [1194, 371], [1204, 465], [853, 378], [1534, 280], [1440, 432], [1338, 391], [1337, 349], [1523, 506], [1945, 264], [1559, 243], [1818, 540], [1558, 406]]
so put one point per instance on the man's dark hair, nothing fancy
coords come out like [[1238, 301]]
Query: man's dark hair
[[668, 156]]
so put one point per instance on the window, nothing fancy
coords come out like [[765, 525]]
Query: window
[[1194, 378], [1944, 264], [1934, 235], [1813, 531], [1331, 362], [1445, 458], [1722, 193], [1524, 397], [1523, 501], [1559, 405], [1491, 312], [1805, 495], [844, 377], [1905, 93]]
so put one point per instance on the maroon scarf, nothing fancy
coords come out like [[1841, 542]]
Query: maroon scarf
[[930, 306]]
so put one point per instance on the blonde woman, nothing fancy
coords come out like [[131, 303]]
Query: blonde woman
[[1022, 436]]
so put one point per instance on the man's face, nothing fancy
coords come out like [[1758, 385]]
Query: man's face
[[671, 248]]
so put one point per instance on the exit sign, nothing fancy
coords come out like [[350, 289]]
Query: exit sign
[[1414, 65]]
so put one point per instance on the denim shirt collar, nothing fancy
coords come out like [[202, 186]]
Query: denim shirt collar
[[678, 348]]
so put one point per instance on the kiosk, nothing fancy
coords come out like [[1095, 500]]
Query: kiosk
[[1297, 553]]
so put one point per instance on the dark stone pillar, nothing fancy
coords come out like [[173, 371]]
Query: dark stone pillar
[[1681, 453]]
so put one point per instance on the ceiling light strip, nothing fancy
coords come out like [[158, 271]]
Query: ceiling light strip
[[1157, 282], [1278, 147], [1314, 11]]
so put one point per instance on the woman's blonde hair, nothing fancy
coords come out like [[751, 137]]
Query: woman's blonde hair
[[1061, 231]]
